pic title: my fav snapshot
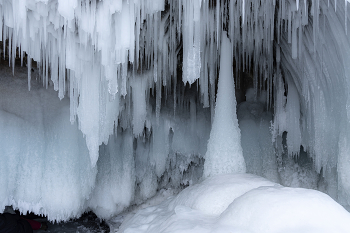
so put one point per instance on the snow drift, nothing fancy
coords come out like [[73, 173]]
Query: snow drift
[[241, 203]]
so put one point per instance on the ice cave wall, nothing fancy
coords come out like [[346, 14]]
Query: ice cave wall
[[141, 76]]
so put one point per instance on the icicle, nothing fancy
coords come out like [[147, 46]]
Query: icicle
[[279, 25], [191, 42], [9, 46], [315, 23], [29, 65], [218, 23], [1, 24], [14, 47], [158, 99], [47, 69], [300, 42], [289, 26], [243, 11], [305, 15], [54, 66], [155, 48], [4, 44], [346, 17], [297, 3], [335, 7], [294, 40], [124, 77]]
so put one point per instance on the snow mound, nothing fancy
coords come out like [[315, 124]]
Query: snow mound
[[282, 209], [241, 203], [215, 194]]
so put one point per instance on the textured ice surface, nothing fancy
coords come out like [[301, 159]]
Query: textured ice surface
[[45, 164], [224, 151], [94, 53]]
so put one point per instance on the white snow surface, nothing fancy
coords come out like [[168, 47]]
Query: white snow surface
[[242, 203]]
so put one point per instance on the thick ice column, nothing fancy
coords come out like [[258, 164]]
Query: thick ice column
[[224, 151]]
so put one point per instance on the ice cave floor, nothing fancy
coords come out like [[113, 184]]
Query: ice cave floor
[[243, 203]]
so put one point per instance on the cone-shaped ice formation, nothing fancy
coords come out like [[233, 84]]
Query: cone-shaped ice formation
[[224, 151]]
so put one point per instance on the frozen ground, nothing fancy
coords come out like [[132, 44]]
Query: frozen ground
[[242, 203], [89, 223]]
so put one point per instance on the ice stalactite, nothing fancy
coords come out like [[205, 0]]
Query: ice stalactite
[[320, 75], [192, 41], [93, 40], [45, 165]]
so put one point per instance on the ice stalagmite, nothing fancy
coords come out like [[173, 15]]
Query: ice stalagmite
[[224, 151]]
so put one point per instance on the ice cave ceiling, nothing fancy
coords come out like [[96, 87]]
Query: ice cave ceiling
[[141, 80]]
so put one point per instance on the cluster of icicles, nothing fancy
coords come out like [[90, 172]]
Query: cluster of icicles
[[112, 53]]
